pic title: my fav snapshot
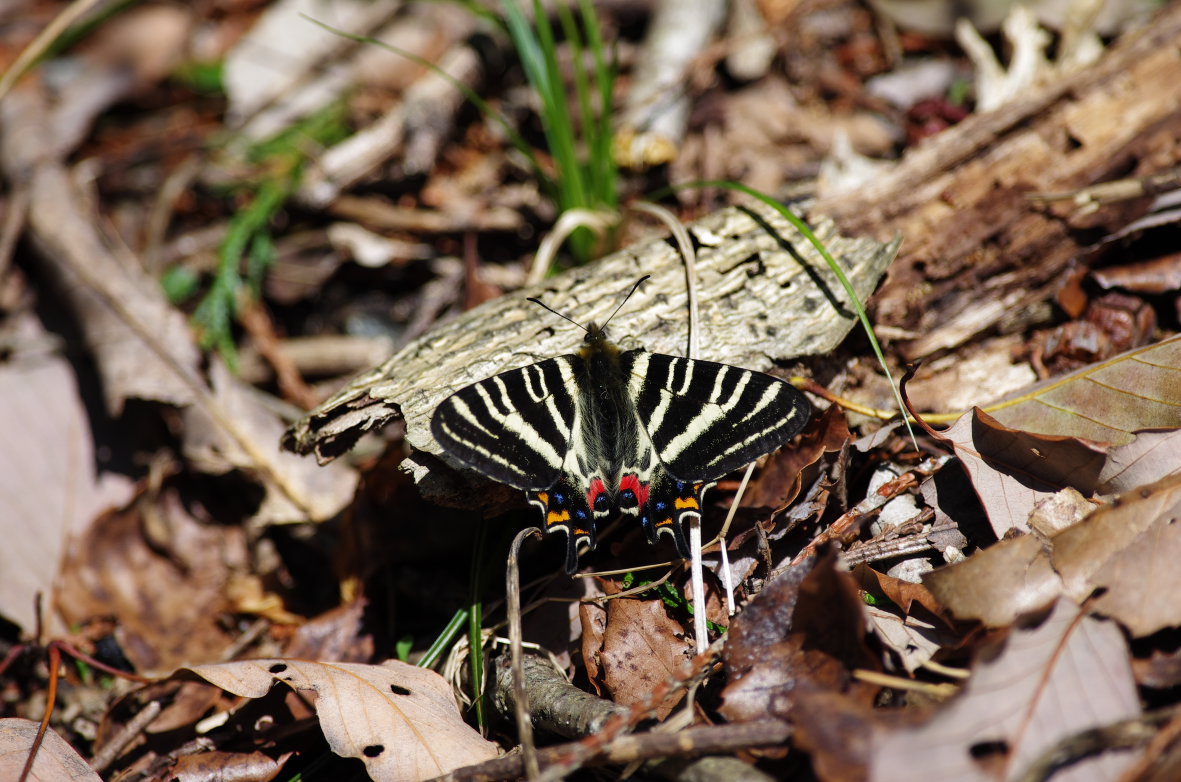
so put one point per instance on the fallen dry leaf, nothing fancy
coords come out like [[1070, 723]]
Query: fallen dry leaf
[[235, 430], [1159, 275], [142, 345], [1152, 455], [215, 765], [998, 584], [1128, 550], [56, 760], [834, 730], [592, 618], [914, 626], [778, 483], [50, 484], [340, 634], [1105, 402], [1012, 470], [804, 632], [159, 573], [401, 721], [1068, 674], [642, 648]]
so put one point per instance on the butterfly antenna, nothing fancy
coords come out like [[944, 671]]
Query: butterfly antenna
[[635, 288], [541, 303]]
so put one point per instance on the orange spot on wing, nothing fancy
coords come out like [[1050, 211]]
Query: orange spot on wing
[[687, 502]]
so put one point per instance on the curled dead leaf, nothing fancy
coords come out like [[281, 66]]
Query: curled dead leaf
[[1125, 551]]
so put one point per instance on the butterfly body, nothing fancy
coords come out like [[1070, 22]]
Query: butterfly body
[[606, 431]]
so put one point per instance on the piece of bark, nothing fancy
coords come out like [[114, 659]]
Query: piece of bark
[[978, 249], [764, 293]]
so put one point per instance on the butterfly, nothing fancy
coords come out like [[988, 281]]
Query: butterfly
[[607, 431]]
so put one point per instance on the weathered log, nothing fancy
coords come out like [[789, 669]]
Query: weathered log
[[979, 249]]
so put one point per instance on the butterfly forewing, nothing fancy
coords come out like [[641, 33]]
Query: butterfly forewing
[[706, 419], [514, 427]]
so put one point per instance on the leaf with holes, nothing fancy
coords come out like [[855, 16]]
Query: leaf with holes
[[401, 721]]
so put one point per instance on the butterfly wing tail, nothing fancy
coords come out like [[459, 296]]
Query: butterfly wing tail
[[671, 504], [564, 508]]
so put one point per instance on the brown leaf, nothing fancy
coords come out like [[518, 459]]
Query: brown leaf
[[998, 584], [593, 619], [778, 482], [142, 345], [56, 759], [400, 720], [50, 487], [1152, 455], [1104, 402], [1068, 674], [1127, 550], [1013, 470], [642, 647], [339, 634], [804, 631], [914, 627], [904, 594], [159, 573], [235, 430], [1130, 550], [226, 767], [835, 730], [1159, 275]]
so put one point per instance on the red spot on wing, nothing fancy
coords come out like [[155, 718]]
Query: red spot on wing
[[597, 487], [632, 481]]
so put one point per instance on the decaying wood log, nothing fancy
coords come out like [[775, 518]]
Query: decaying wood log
[[978, 248], [765, 296]]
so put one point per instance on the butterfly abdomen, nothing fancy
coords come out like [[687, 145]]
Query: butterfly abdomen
[[607, 416]]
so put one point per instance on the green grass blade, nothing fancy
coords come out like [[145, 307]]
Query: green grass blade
[[444, 640], [807, 233]]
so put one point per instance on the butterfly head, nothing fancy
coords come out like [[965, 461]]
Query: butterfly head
[[595, 334]]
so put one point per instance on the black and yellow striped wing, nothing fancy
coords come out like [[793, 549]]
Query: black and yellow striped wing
[[515, 427], [706, 419]]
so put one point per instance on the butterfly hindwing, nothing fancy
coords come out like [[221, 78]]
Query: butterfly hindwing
[[671, 503], [703, 420], [515, 427], [565, 508]]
